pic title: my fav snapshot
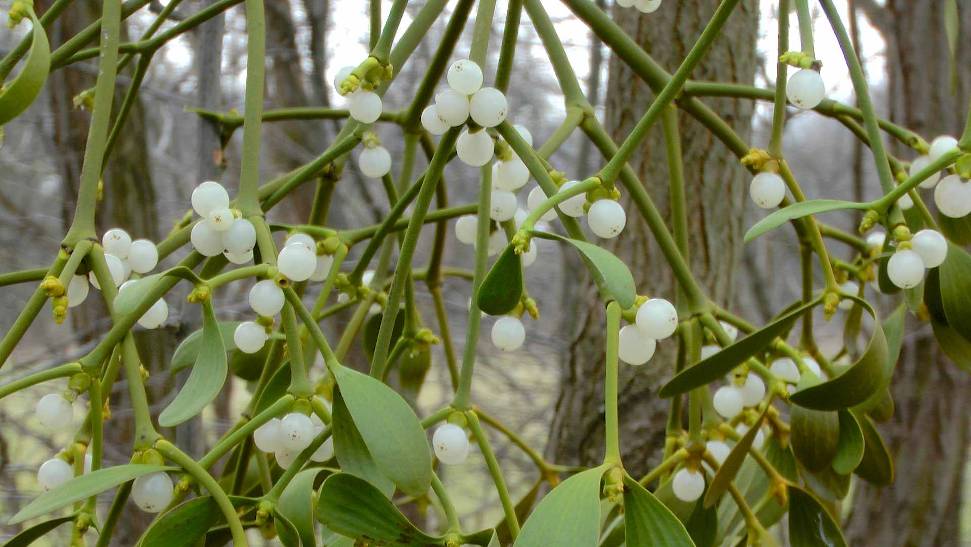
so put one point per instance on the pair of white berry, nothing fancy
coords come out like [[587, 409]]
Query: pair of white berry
[[656, 319], [219, 231], [363, 105], [928, 249], [605, 217], [289, 436], [729, 400], [122, 256], [644, 6], [451, 444]]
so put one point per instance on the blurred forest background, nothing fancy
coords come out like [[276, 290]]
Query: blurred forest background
[[545, 390]]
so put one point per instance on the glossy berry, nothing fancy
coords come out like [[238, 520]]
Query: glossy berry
[[953, 197], [510, 175], [296, 262], [474, 149], [249, 337], [285, 457], [941, 145], [239, 258], [364, 106], [220, 219], [767, 190], [342, 75], [876, 239], [324, 263], [718, 450], [117, 242], [116, 267], [464, 76], [848, 287], [142, 256], [657, 318], [325, 451], [208, 196], [524, 133], [634, 348], [297, 431], [752, 391], [529, 257], [606, 218], [502, 205], [508, 333], [54, 412], [155, 316], [573, 206], [919, 163], [374, 162], [488, 107], [153, 492], [931, 246], [688, 485], [535, 198], [727, 402], [268, 437], [786, 369], [53, 473], [303, 239], [626, 3], [452, 107], [240, 238], [805, 89], [432, 122], [205, 240], [451, 444], [905, 202], [266, 298], [905, 269], [465, 229], [647, 6], [77, 290]]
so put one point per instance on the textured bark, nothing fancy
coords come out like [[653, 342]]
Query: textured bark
[[714, 189], [930, 431]]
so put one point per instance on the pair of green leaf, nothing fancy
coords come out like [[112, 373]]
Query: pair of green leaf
[[188, 523], [823, 439], [21, 92]]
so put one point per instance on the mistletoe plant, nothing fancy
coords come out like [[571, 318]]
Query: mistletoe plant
[[760, 427]]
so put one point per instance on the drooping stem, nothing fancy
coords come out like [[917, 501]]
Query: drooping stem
[[508, 507], [779, 100]]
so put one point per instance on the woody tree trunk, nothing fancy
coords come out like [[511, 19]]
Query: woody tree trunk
[[715, 183]]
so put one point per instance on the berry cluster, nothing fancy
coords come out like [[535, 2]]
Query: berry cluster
[[220, 230], [364, 105], [286, 437]]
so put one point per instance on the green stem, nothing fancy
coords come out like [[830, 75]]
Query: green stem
[[29, 311], [450, 515], [60, 371], [781, 69], [666, 465], [249, 175], [679, 208], [562, 65], [611, 420], [22, 276], [381, 49], [300, 385], [105, 532], [508, 507], [805, 26], [507, 51], [329, 358], [482, 31], [245, 430]]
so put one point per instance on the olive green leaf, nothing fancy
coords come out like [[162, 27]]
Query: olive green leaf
[[206, 378], [716, 366], [955, 283], [810, 525], [568, 516], [296, 505], [82, 487], [286, 532], [37, 531], [648, 522], [183, 525], [610, 273], [877, 464], [849, 449], [798, 210], [186, 352], [16, 96], [857, 383], [955, 346], [815, 436], [957, 230], [733, 462], [502, 287], [354, 508], [352, 454]]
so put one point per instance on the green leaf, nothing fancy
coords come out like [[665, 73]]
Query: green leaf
[[957, 230], [648, 522], [373, 325], [955, 346], [849, 449], [135, 292], [798, 210], [932, 296], [955, 283], [810, 525], [83, 487], [412, 369], [523, 507], [815, 436], [718, 365], [286, 532], [502, 287], [352, 454], [16, 96], [568, 516], [275, 388], [702, 525], [207, 377], [390, 430], [867, 376], [876, 466], [733, 462], [183, 525], [354, 508], [37, 531], [951, 24], [610, 273], [296, 504], [187, 351]]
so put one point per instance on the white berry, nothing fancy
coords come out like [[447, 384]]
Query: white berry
[[497, 241], [54, 412], [152, 492], [849, 287], [634, 348], [303, 239], [573, 206], [508, 333], [919, 163], [240, 237], [688, 485], [208, 196], [657, 318], [324, 263], [142, 256], [239, 258], [220, 219], [155, 315], [941, 145], [905, 202], [116, 241], [342, 75], [464, 76], [876, 239], [297, 431], [931, 246], [535, 198], [285, 457], [268, 437], [465, 229], [729, 329], [606, 218], [296, 262], [647, 6], [249, 337], [813, 366], [488, 107], [205, 240], [524, 133], [806, 89], [266, 298], [510, 175], [767, 190], [786, 369], [116, 267], [502, 205], [324, 452], [451, 444], [77, 290], [953, 197], [752, 391], [374, 162], [474, 149], [364, 106], [905, 269], [707, 351], [432, 122], [718, 450], [727, 402], [529, 257], [452, 107], [53, 473]]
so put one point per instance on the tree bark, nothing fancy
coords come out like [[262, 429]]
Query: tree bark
[[715, 183], [930, 430]]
